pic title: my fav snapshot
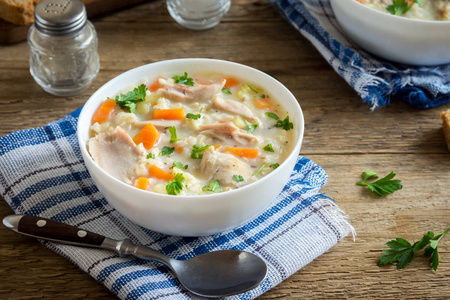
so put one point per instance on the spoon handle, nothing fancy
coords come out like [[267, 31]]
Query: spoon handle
[[51, 230]]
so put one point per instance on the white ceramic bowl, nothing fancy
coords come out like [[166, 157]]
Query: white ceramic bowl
[[191, 215], [395, 38]]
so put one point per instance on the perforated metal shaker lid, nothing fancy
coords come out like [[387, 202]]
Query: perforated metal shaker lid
[[60, 17]]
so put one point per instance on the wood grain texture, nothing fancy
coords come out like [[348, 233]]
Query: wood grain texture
[[342, 135]]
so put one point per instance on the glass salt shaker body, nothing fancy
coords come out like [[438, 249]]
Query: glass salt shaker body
[[63, 47]]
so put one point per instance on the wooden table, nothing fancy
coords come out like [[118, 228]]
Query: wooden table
[[342, 135]]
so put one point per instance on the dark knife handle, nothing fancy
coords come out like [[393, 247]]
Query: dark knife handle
[[47, 229]]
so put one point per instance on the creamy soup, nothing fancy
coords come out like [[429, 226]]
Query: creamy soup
[[191, 134], [436, 10]]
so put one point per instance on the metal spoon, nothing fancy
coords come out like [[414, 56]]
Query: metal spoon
[[214, 274]]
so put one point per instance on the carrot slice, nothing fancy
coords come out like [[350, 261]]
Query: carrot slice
[[231, 82], [104, 111], [142, 183], [179, 149], [243, 152], [262, 103], [169, 114], [217, 147], [154, 86], [148, 136], [156, 172]]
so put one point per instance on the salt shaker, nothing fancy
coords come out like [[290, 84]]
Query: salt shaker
[[63, 47]]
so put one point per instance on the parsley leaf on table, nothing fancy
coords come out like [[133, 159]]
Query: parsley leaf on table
[[214, 186], [174, 187], [183, 79], [403, 252], [131, 98], [382, 186]]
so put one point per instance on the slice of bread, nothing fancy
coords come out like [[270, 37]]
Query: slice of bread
[[446, 126], [19, 12]]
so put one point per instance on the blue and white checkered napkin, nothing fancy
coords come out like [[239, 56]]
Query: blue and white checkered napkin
[[42, 173], [373, 78]]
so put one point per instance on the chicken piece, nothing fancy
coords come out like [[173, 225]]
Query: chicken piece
[[115, 153], [222, 167], [234, 107], [187, 93], [226, 131]]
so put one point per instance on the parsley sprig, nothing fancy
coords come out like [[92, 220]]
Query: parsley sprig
[[383, 186], [403, 252], [184, 79], [174, 187], [399, 7], [131, 98]]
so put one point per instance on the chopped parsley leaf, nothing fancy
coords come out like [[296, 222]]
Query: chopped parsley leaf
[[196, 149], [183, 79], [274, 166], [238, 178], [180, 165], [285, 124], [226, 91], [272, 115], [173, 134], [167, 150], [150, 155], [174, 187], [252, 88], [268, 148], [214, 186], [251, 127], [259, 170], [192, 116]]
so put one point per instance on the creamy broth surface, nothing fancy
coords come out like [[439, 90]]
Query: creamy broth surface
[[432, 10], [208, 133]]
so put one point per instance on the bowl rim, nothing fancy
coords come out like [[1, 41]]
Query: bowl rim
[[398, 18], [295, 149]]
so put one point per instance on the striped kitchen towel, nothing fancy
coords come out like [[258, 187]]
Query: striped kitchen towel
[[42, 173], [373, 78]]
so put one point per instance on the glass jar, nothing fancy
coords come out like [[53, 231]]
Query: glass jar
[[63, 47], [198, 14]]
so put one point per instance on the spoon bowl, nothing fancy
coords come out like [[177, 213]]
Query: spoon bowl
[[221, 273]]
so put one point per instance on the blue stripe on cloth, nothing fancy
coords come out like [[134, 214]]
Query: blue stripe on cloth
[[373, 78]]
